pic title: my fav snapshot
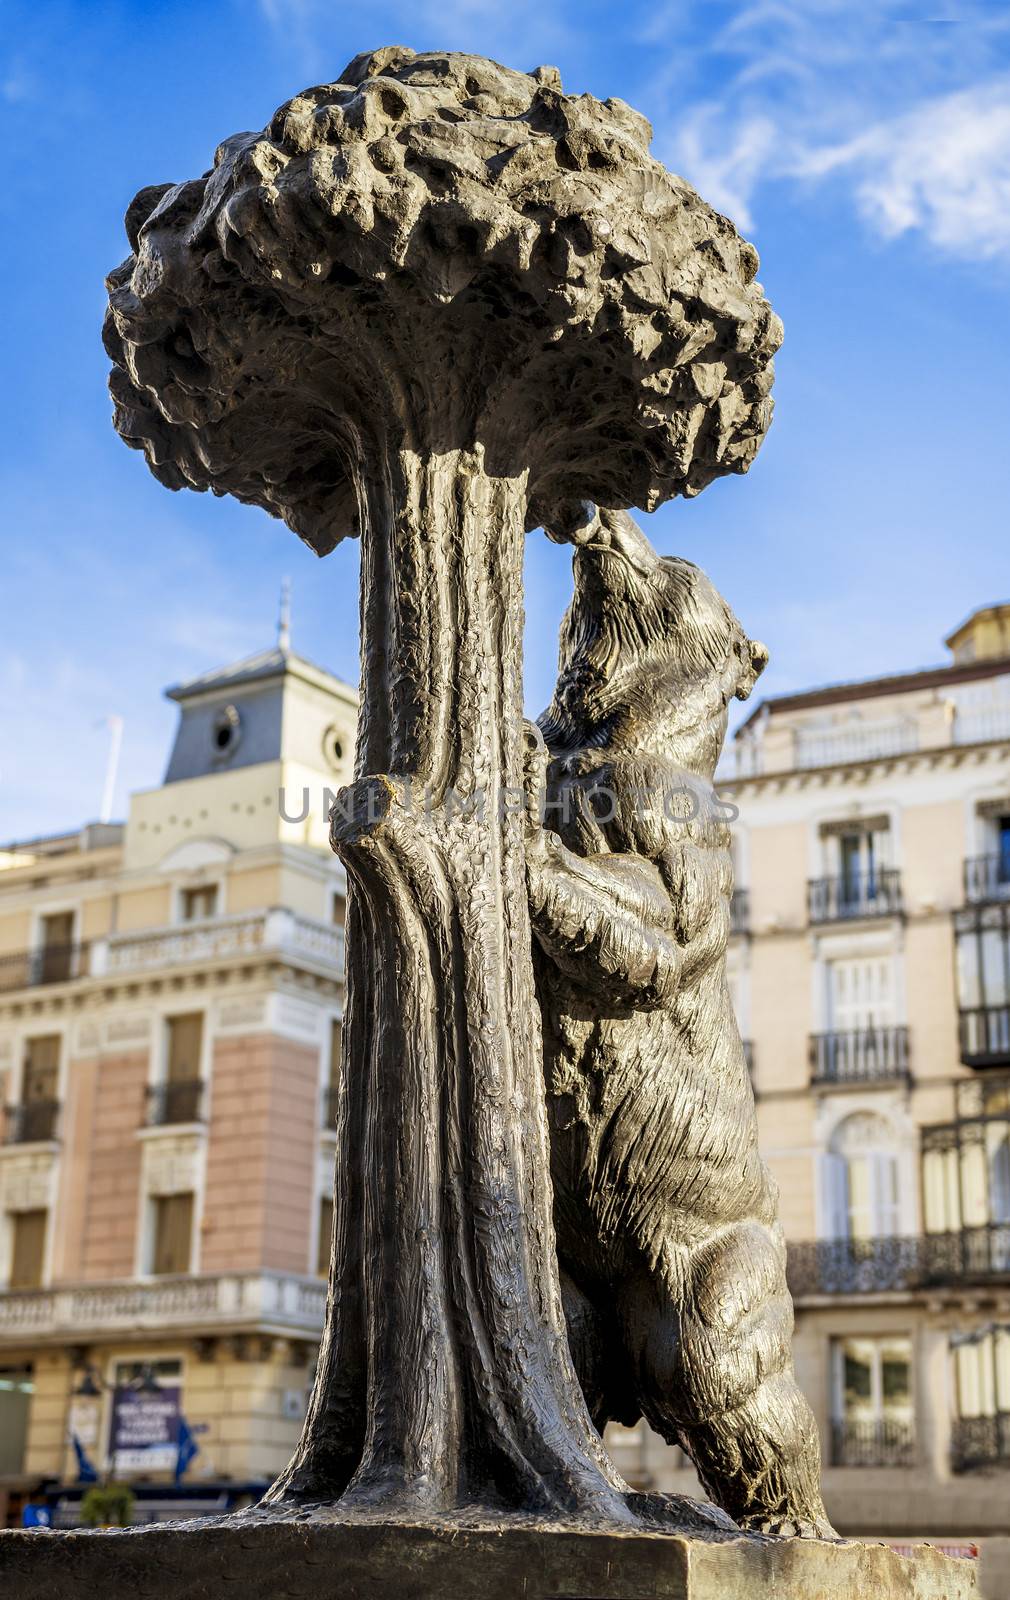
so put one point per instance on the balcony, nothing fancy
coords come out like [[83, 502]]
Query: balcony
[[980, 1442], [55, 963], [859, 1056], [252, 934], [985, 1036], [856, 741], [844, 899], [739, 911], [879, 1442], [170, 1103], [986, 878], [34, 1123], [900, 1263], [269, 1302]]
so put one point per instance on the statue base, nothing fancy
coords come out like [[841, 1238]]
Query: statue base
[[309, 1558]]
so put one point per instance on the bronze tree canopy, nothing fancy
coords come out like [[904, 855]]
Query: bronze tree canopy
[[434, 303]]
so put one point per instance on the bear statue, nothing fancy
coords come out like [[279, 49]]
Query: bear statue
[[673, 1262]]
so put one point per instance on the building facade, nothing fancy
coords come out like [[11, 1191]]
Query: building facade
[[170, 1012], [870, 965]]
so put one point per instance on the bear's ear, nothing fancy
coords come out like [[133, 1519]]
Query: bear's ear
[[758, 657]]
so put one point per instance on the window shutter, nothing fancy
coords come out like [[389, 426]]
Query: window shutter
[[29, 1246], [834, 1195], [884, 1194], [42, 1067], [173, 1233], [185, 1038]]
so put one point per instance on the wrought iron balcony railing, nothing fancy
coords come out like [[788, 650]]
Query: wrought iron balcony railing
[[985, 1036], [980, 1442], [35, 1122], [986, 878], [859, 1055], [54, 963], [879, 1442], [170, 1103], [739, 911], [869, 894], [899, 1262]]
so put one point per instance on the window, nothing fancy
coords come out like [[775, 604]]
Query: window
[[16, 1388], [172, 1243], [859, 857], [983, 957], [861, 1180], [873, 1411], [185, 1043], [40, 1077], [28, 1248], [325, 1236], [338, 909], [197, 904], [1003, 849], [982, 1367], [177, 1097], [966, 1173], [57, 947], [983, 974], [981, 1432], [226, 731], [34, 1119], [335, 747], [860, 993]]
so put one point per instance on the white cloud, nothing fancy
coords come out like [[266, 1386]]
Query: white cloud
[[910, 111], [943, 168]]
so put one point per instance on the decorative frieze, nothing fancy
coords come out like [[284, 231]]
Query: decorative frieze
[[248, 1015], [26, 1179], [173, 1162], [133, 1029], [294, 1019]]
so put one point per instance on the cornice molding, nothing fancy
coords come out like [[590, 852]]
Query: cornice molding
[[795, 779]]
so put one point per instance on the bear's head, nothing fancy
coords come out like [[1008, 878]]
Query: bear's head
[[650, 653]]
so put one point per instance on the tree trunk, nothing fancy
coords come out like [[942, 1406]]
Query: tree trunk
[[444, 1374]]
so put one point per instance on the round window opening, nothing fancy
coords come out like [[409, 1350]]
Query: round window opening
[[226, 730], [333, 746]]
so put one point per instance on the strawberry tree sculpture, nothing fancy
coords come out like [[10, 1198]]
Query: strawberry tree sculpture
[[434, 305]]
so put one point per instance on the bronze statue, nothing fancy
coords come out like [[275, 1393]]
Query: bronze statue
[[437, 304], [673, 1261]]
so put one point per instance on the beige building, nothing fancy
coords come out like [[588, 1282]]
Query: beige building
[[170, 1004], [871, 971]]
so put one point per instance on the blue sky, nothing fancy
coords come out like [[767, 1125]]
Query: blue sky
[[865, 151]]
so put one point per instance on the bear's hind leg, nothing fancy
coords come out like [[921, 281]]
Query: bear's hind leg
[[716, 1376]]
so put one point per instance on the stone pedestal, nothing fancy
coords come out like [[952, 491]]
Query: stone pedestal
[[315, 1560]]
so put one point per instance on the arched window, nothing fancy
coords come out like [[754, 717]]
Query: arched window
[[860, 1190]]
